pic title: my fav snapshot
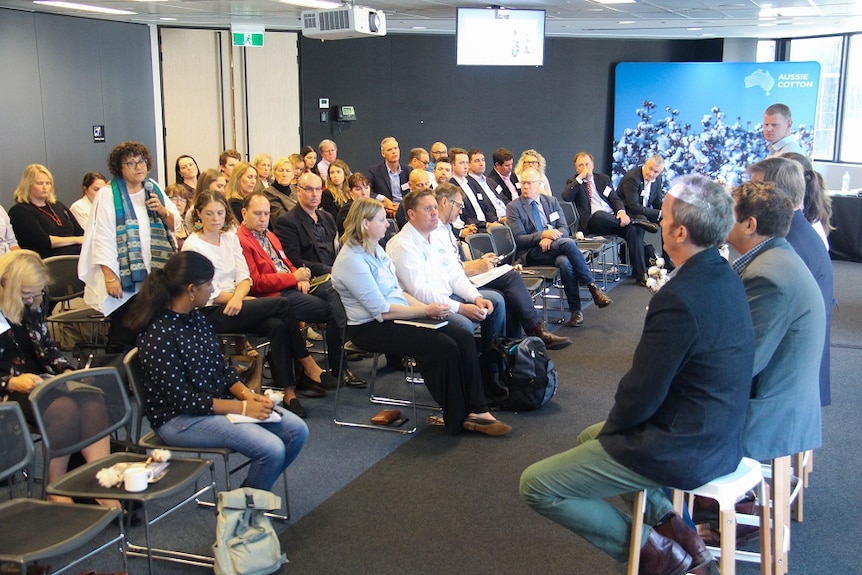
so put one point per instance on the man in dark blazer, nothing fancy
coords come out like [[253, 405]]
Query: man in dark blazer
[[542, 238], [479, 212], [602, 212], [640, 190], [501, 178], [789, 323], [381, 177], [788, 177], [679, 412], [307, 233]]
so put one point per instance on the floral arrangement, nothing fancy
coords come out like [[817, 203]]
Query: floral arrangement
[[656, 276], [113, 476]]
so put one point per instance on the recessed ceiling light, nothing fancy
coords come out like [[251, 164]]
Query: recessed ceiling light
[[166, 19], [790, 12], [321, 4], [693, 29], [626, 21], [83, 7], [614, 1]]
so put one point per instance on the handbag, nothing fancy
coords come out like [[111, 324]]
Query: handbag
[[246, 543], [248, 363]]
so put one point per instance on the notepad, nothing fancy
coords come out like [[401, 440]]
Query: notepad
[[424, 322]]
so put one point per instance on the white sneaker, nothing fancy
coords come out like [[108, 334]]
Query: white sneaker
[[313, 335]]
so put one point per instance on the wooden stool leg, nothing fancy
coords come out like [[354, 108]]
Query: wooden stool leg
[[780, 513], [799, 470], [638, 510], [765, 531], [727, 537]]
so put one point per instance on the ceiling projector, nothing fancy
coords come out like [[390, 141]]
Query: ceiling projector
[[344, 22]]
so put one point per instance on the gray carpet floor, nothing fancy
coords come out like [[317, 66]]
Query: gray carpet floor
[[371, 502]]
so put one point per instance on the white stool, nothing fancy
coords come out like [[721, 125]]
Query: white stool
[[727, 490]]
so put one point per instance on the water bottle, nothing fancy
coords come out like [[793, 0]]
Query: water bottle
[[845, 183]]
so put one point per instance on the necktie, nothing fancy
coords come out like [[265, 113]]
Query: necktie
[[590, 190], [537, 217]]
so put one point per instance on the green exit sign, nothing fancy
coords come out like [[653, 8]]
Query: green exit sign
[[253, 39]]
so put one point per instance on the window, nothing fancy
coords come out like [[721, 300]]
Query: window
[[851, 146], [766, 51], [826, 51]]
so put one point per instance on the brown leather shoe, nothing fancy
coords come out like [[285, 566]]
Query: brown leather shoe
[[663, 556], [676, 528], [576, 320], [486, 426], [552, 341], [599, 297]]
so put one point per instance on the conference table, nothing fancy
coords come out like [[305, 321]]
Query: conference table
[[845, 241]]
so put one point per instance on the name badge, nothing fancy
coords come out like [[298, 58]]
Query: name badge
[[553, 217], [518, 185], [498, 189], [479, 197], [607, 191], [405, 187]]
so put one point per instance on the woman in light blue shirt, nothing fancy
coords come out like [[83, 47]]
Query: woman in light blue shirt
[[364, 278]]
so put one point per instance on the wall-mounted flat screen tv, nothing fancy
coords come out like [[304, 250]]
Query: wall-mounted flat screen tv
[[500, 37]]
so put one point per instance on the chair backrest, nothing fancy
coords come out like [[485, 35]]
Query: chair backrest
[[505, 242], [102, 405], [64, 285], [481, 244], [16, 445], [132, 363], [390, 231], [571, 215]]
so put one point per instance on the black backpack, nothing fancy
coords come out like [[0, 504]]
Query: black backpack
[[527, 378]]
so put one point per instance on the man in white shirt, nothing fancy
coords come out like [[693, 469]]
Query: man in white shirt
[[478, 211], [477, 174], [777, 125], [433, 274]]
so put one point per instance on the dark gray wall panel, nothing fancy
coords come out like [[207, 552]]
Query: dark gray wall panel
[[22, 138], [409, 87]]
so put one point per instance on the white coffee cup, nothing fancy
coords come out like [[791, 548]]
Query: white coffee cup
[[136, 479]]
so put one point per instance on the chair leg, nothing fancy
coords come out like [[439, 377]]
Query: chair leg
[[638, 510], [765, 530], [781, 513], [727, 537]]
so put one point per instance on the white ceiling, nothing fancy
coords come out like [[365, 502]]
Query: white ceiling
[[573, 18]]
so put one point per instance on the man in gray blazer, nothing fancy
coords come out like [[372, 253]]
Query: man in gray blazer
[[789, 326], [678, 413], [541, 235]]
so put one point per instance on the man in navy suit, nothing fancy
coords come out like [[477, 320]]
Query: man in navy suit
[[501, 178], [479, 213], [541, 235], [640, 190], [388, 180], [679, 412], [601, 211], [789, 178]]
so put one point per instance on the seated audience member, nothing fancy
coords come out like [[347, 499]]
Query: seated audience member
[[359, 188], [419, 180], [533, 159], [273, 274], [186, 171], [8, 241], [693, 359], [419, 160], [817, 205], [188, 383], [243, 181], [308, 233], [180, 196], [210, 180], [309, 156], [328, 152], [789, 323], [601, 211], [482, 187], [447, 357], [263, 165], [542, 237], [230, 310], [28, 355], [438, 150], [788, 178], [520, 311], [641, 190], [281, 194], [226, 161], [478, 212], [42, 223], [337, 191], [777, 124], [130, 234], [432, 275], [388, 179], [442, 170], [90, 186], [501, 179]]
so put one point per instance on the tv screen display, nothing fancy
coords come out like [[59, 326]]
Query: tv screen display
[[500, 37]]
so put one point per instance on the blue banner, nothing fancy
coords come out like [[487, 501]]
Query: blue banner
[[707, 118]]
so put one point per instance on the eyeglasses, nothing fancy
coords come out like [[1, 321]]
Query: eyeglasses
[[531, 162], [458, 205], [425, 162], [310, 189], [132, 164], [28, 298], [531, 182]]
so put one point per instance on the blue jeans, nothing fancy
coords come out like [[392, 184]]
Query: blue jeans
[[565, 255], [270, 446], [493, 324], [569, 488]]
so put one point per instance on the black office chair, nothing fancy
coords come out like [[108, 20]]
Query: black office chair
[[35, 530], [481, 243], [105, 385]]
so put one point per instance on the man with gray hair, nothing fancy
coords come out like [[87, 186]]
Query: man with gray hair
[[789, 179], [328, 153], [389, 179], [694, 358]]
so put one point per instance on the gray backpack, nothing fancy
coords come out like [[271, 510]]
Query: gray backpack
[[526, 377], [246, 543]]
